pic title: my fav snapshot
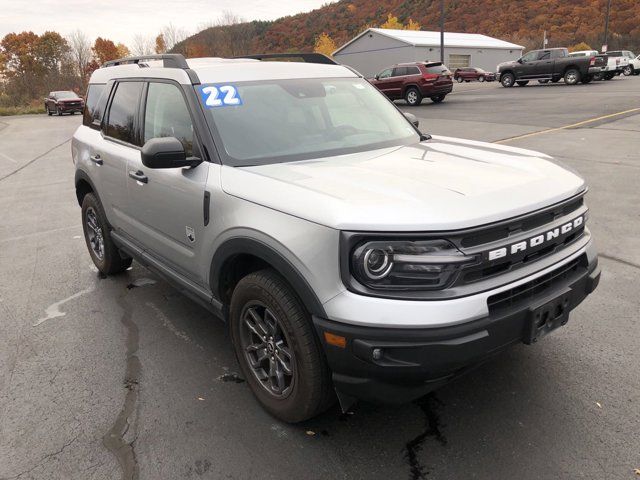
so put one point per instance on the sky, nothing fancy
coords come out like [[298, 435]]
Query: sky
[[122, 20]]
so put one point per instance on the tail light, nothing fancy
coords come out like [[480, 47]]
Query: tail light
[[592, 62], [430, 77]]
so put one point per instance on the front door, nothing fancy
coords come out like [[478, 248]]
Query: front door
[[166, 205]]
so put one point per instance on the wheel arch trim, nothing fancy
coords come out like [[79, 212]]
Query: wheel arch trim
[[242, 245]]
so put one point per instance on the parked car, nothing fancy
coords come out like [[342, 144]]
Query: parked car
[[551, 64], [468, 74], [347, 251], [63, 102], [415, 81], [633, 65]]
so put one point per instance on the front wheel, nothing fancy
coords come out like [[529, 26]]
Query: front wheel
[[437, 98], [413, 97], [481, 78], [507, 80], [459, 79], [628, 70], [571, 76], [277, 348]]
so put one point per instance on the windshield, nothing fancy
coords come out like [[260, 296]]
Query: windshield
[[65, 95], [288, 120]]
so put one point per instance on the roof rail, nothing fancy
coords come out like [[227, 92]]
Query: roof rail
[[170, 60], [306, 57]]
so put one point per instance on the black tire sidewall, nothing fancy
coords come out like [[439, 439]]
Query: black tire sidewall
[[508, 75], [308, 395]]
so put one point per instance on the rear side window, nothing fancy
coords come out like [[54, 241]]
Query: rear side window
[[94, 105], [399, 71], [123, 112], [413, 71], [167, 115]]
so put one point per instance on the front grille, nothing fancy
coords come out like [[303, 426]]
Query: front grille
[[524, 293]]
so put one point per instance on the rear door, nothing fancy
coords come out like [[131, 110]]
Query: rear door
[[544, 66], [167, 207], [120, 143]]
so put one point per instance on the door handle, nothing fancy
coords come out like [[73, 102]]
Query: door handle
[[138, 176], [96, 159]]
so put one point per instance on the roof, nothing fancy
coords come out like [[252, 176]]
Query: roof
[[214, 70], [423, 38]]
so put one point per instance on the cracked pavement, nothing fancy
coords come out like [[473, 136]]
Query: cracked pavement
[[132, 383]]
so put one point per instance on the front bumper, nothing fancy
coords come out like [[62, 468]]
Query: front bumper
[[397, 365]]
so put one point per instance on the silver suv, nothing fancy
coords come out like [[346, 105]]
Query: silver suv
[[349, 253]]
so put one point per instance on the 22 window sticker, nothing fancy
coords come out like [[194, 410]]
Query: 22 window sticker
[[214, 96]]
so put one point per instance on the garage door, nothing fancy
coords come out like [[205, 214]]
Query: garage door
[[459, 61]]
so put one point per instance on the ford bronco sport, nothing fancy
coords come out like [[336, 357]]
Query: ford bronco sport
[[349, 253]]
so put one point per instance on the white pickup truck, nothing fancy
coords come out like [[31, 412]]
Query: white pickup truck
[[616, 64], [633, 66]]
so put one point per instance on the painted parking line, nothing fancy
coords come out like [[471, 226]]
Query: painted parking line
[[573, 125]]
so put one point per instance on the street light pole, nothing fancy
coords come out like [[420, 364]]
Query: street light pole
[[442, 30], [606, 26]]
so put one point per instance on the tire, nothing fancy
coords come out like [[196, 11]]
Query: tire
[[413, 97], [598, 76], [48, 111], [58, 112], [572, 76], [437, 98], [481, 78], [587, 79], [109, 261], [507, 80], [628, 70], [459, 80], [609, 76], [522, 83], [263, 305]]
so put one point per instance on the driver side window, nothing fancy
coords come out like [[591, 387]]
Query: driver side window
[[167, 115], [530, 57], [386, 73]]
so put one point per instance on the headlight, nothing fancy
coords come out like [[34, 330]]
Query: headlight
[[407, 265]]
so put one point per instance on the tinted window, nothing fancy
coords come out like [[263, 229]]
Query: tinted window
[[399, 71], [413, 71], [530, 57], [438, 69], [92, 108], [123, 112], [167, 115], [546, 55]]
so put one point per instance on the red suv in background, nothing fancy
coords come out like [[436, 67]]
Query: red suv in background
[[415, 81], [470, 73]]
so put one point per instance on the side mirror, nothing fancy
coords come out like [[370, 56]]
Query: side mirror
[[412, 118], [377, 77], [166, 152], [519, 60]]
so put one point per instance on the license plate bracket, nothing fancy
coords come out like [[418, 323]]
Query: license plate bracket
[[547, 316]]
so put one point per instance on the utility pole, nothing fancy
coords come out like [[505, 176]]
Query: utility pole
[[606, 28], [442, 30]]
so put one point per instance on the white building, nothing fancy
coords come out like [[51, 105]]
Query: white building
[[376, 48]]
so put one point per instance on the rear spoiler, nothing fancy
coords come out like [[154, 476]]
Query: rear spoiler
[[294, 57]]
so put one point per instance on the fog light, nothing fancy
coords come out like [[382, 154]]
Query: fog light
[[377, 354]]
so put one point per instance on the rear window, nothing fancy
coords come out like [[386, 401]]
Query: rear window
[[123, 112], [437, 69], [94, 104]]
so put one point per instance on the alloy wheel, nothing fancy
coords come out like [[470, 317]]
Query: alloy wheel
[[412, 97], [94, 233], [267, 349]]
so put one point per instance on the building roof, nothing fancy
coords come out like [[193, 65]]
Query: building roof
[[422, 38]]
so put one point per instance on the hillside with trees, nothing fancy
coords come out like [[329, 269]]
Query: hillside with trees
[[567, 23]]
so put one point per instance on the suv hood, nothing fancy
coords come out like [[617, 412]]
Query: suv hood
[[441, 184]]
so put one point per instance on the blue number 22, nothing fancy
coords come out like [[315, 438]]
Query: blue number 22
[[220, 96]]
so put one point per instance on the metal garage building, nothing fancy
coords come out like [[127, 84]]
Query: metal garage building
[[376, 48]]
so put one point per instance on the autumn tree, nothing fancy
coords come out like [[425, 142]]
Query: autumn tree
[[411, 25], [80, 51], [123, 50], [392, 23], [580, 46], [161, 46], [325, 45], [104, 50]]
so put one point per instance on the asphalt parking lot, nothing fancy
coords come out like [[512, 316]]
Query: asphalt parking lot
[[122, 377]]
